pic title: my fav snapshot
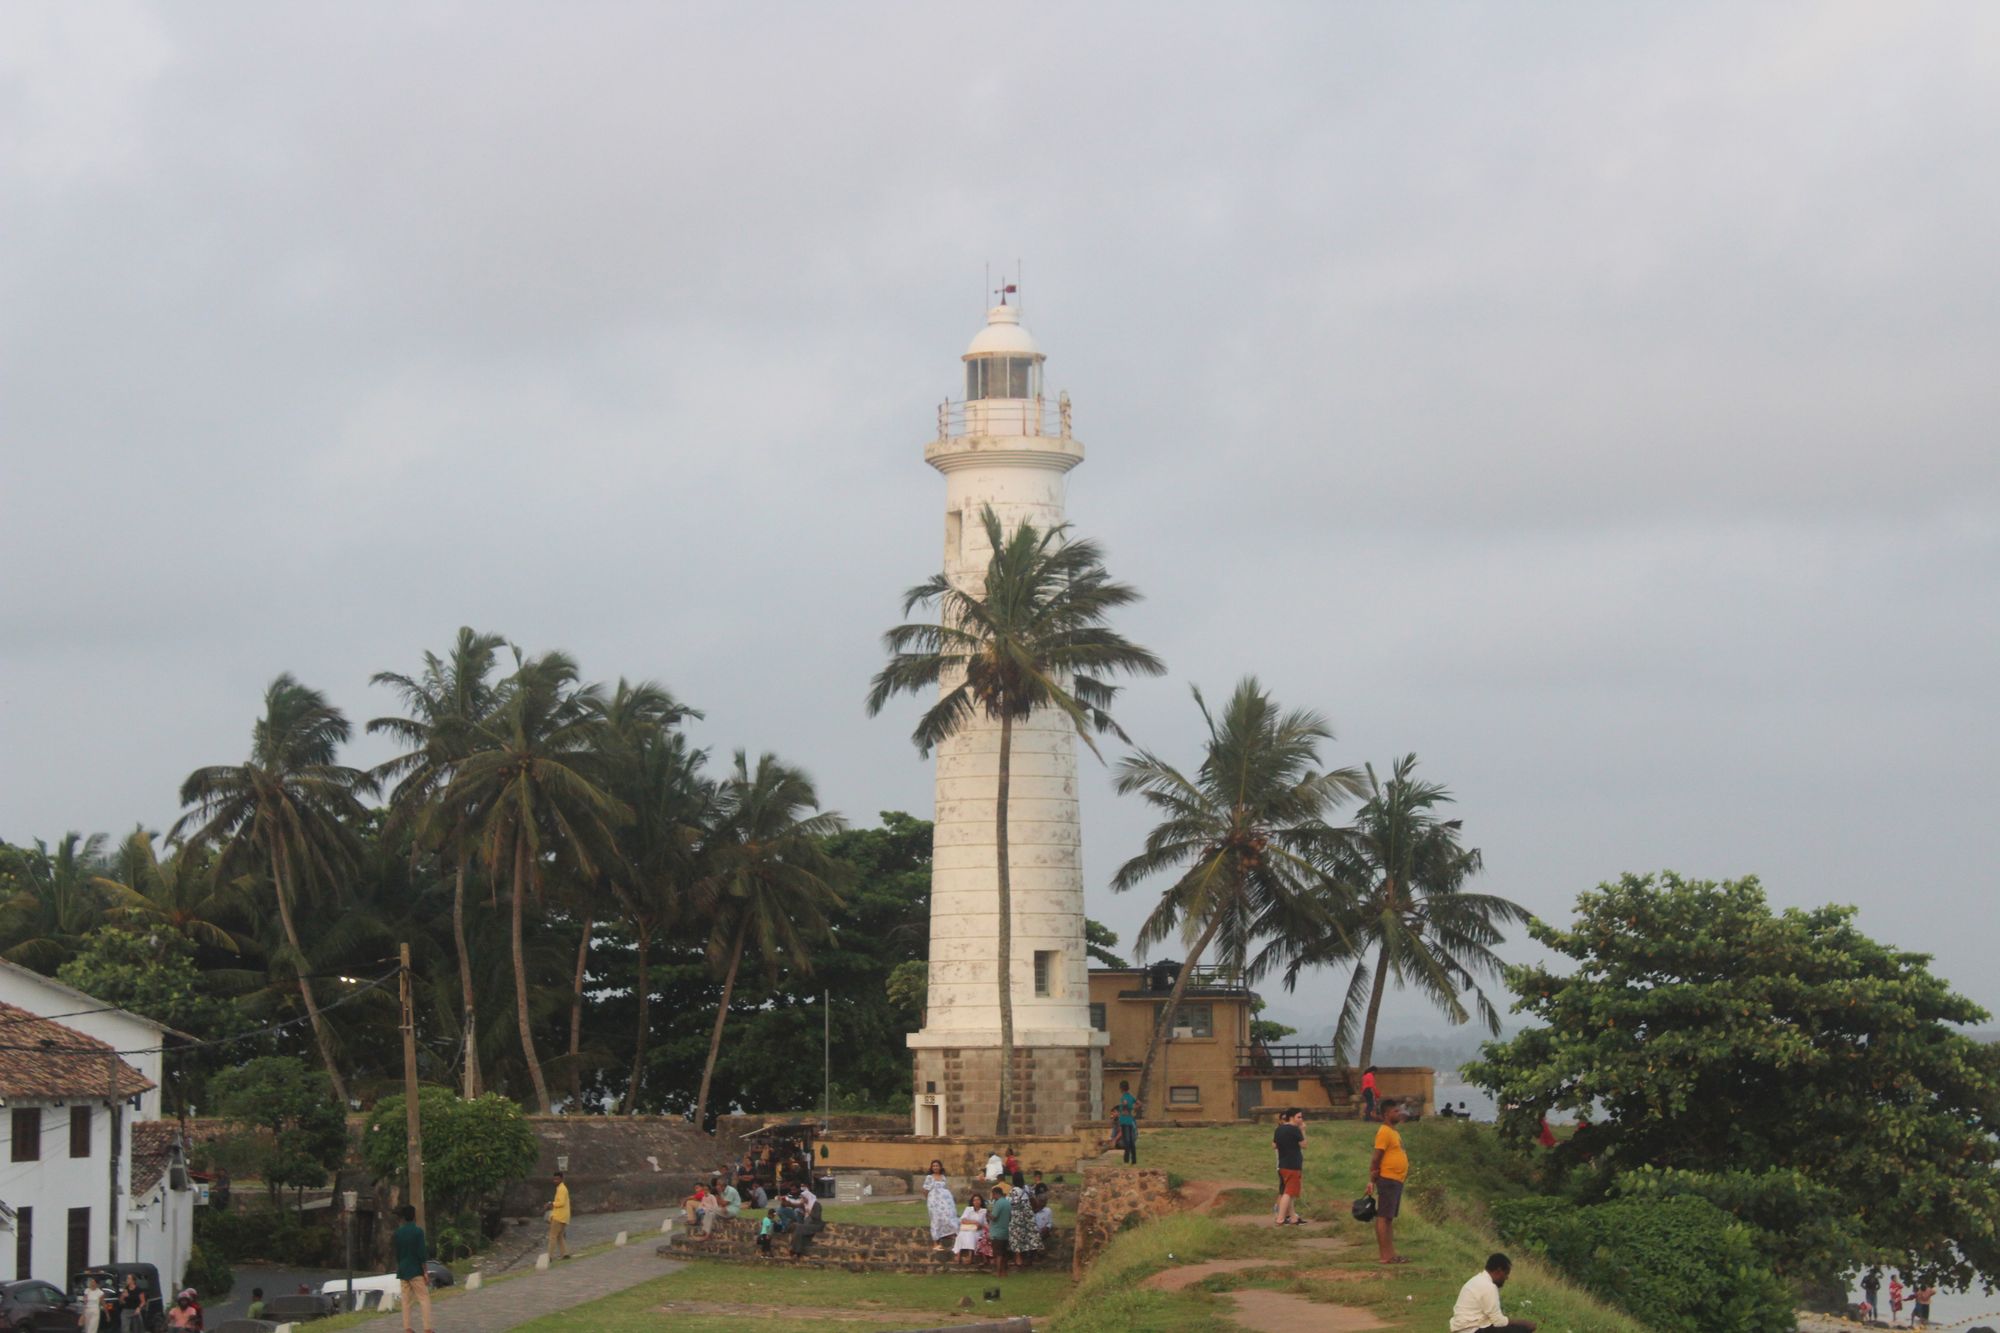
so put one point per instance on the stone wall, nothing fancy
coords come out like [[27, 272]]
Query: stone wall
[[615, 1163], [846, 1245], [962, 1155], [730, 1129], [1113, 1199]]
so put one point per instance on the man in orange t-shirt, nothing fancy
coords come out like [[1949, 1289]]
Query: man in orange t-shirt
[[1387, 1170]]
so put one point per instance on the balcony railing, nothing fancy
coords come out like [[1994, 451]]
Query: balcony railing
[[1159, 979], [1289, 1060], [1005, 416]]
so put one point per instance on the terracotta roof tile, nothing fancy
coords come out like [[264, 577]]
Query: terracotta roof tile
[[40, 1058], [152, 1151]]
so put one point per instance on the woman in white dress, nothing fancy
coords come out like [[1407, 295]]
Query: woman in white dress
[[944, 1217], [93, 1307], [971, 1229]]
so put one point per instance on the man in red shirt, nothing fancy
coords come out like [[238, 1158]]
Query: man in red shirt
[[1368, 1093]]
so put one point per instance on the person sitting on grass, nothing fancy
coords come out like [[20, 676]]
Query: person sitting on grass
[[765, 1228], [1479, 1300]]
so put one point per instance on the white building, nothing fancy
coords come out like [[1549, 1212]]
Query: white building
[[89, 1173], [1009, 447]]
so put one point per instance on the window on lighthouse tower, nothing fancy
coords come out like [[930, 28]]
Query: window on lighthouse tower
[[1003, 377]]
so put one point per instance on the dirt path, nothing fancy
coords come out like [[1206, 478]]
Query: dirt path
[[1180, 1279], [1204, 1196], [1277, 1312]]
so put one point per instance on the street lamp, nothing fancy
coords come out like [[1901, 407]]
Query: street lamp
[[348, 1199]]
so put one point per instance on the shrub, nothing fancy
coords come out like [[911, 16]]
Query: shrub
[[473, 1149], [209, 1274], [271, 1235], [1678, 1265]]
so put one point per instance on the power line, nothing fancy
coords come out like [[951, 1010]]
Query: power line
[[51, 1047]]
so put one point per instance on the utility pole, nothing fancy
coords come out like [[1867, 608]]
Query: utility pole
[[415, 1128]]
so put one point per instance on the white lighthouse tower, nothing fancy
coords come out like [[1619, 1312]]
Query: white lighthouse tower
[[1008, 447]]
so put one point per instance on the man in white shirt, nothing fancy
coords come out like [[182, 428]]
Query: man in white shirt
[[1479, 1301], [809, 1222]]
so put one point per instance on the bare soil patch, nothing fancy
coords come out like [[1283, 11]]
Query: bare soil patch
[[1202, 1196], [1280, 1312]]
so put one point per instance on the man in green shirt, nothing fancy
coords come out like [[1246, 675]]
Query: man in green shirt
[[999, 1217], [256, 1310], [412, 1250]]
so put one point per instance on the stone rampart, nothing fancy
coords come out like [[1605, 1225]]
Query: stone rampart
[[1113, 1199], [846, 1245], [615, 1163]]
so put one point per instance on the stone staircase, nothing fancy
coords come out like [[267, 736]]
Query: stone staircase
[[847, 1245]]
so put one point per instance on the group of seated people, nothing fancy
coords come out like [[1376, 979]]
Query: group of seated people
[[1445, 1112], [790, 1209]]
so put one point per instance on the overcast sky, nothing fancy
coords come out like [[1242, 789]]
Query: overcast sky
[[1598, 401]]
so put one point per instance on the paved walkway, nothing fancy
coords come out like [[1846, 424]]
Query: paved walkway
[[518, 1300], [525, 1239]]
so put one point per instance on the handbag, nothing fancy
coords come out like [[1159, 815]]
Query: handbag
[[1364, 1208]]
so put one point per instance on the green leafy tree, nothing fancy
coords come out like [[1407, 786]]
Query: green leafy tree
[[289, 811], [1267, 1031], [474, 1148], [1035, 634], [1398, 882], [444, 704], [1783, 1065], [771, 881], [532, 777], [1243, 838], [152, 973], [1101, 942], [299, 1131]]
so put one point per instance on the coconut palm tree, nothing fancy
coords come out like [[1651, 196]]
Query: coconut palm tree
[[628, 718], [444, 703], [59, 901], [771, 881], [1243, 837], [180, 893], [661, 859], [1033, 635], [288, 810], [1397, 881], [530, 778]]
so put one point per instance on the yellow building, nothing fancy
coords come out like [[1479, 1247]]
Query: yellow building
[[1208, 1067]]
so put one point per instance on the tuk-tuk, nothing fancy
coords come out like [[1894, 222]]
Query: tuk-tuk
[[111, 1277]]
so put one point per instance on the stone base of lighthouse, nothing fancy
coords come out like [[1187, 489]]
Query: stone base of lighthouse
[[957, 1087]]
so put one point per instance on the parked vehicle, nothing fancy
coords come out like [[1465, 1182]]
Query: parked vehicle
[[28, 1306], [111, 1277]]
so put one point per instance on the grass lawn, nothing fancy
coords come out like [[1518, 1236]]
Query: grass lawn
[[799, 1300], [1452, 1168]]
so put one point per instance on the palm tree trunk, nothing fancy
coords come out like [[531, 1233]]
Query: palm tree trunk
[[576, 1014], [282, 883], [465, 976], [1374, 1008], [521, 978], [715, 1038], [1003, 1123], [1173, 1004], [630, 1105]]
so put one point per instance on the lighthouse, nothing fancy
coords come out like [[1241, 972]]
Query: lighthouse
[[1005, 445]]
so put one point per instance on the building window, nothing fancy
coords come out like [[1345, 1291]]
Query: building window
[[79, 1240], [1045, 971], [24, 1243], [1003, 377], [27, 1137], [1097, 1019], [1284, 1085], [79, 1132], [1196, 1020], [1185, 1094]]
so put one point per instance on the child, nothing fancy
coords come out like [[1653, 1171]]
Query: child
[[765, 1228]]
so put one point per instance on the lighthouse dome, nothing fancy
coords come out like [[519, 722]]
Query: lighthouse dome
[[1003, 335]]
